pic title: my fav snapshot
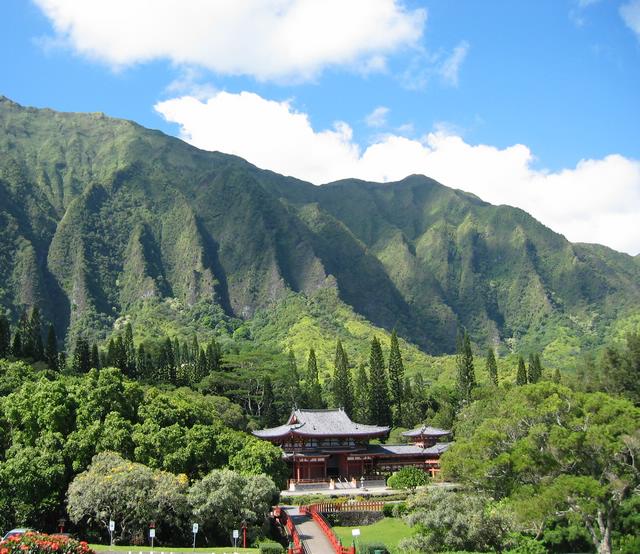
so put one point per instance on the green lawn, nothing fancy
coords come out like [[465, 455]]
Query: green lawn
[[169, 549], [388, 531]]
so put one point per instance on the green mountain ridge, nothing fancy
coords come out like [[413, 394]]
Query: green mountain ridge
[[104, 219]]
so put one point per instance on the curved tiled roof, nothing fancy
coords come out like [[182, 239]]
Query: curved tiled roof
[[321, 423], [426, 431]]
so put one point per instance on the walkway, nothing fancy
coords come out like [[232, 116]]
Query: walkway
[[310, 533]]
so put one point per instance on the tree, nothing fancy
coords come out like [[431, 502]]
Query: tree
[[224, 497], [379, 404], [128, 493], [453, 521], [557, 377], [361, 395], [81, 356], [269, 412], [342, 389], [535, 369], [51, 348], [35, 335], [259, 457], [575, 457], [408, 478], [5, 337], [129, 352], [466, 380], [312, 385], [396, 378], [492, 367], [521, 374]]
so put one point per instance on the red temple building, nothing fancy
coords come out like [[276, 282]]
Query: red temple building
[[324, 445]]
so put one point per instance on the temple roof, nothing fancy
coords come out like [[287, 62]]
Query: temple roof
[[321, 423], [407, 449], [426, 431]]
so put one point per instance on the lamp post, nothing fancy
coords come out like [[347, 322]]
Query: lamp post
[[244, 533]]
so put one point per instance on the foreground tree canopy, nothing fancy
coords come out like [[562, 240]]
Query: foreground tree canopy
[[548, 452]]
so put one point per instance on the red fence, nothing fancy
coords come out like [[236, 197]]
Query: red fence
[[286, 522], [326, 529], [332, 507]]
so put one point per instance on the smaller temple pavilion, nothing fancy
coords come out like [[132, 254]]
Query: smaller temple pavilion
[[320, 445]]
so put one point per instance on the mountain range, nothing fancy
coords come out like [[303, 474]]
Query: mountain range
[[103, 220]]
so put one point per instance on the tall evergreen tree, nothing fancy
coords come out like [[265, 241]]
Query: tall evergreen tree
[[557, 377], [466, 372], [295, 395], [521, 374], [312, 385], [35, 335], [16, 344], [269, 412], [94, 357], [168, 367], [81, 356], [51, 348], [5, 337], [492, 367], [379, 403], [535, 369], [141, 362], [396, 378], [129, 351], [25, 349], [341, 384], [361, 395]]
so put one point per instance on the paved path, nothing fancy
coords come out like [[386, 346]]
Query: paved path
[[310, 533]]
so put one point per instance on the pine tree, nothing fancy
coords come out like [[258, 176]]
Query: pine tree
[[557, 377], [341, 384], [5, 337], [521, 375], [169, 364], [62, 361], [535, 368], [379, 403], [466, 373], [25, 349], [313, 388], [492, 367], [141, 362], [269, 412], [16, 345], [94, 357], [396, 377], [129, 352], [35, 335], [81, 356], [51, 349], [295, 393], [361, 395], [120, 354]]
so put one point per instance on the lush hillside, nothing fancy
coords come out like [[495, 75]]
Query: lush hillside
[[103, 219]]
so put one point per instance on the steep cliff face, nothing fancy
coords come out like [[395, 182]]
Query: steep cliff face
[[100, 216]]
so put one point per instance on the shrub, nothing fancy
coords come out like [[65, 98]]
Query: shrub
[[408, 478], [372, 547], [271, 548], [39, 543]]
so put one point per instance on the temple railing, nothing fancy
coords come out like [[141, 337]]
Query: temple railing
[[333, 507]]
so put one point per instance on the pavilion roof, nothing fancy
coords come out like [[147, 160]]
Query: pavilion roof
[[407, 449], [426, 431], [321, 423]]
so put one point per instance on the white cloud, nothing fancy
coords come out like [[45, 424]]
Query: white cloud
[[450, 68], [630, 13], [378, 117], [268, 39], [596, 201]]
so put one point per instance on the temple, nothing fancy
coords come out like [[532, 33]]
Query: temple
[[323, 445]]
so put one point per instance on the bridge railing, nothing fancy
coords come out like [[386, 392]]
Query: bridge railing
[[327, 530], [333, 507], [283, 517]]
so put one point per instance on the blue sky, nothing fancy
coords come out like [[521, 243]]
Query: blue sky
[[530, 103]]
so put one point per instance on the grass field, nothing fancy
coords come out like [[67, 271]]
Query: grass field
[[388, 531], [169, 549]]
